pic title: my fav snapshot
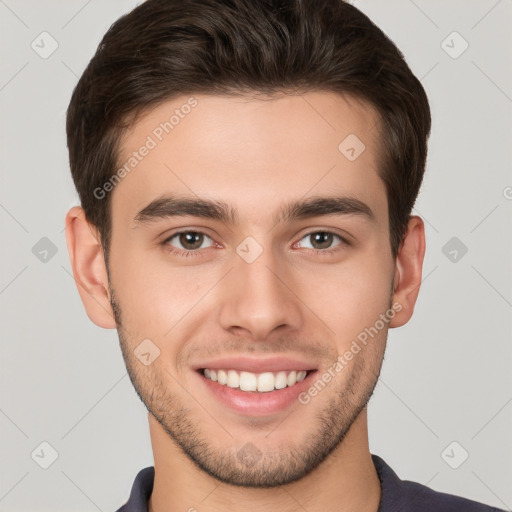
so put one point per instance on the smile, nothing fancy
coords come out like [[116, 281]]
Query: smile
[[261, 382]]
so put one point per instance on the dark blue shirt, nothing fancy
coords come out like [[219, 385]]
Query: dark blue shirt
[[396, 495]]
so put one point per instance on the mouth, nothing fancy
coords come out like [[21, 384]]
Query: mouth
[[255, 394], [255, 382]]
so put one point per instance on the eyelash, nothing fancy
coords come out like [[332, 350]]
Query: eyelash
[[197, 252]]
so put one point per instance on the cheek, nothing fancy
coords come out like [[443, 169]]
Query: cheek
[[153, 295], [350, 298]]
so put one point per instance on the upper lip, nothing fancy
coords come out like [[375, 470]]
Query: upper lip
[[256, 365]]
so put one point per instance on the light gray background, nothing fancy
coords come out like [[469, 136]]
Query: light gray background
[[446, 375]]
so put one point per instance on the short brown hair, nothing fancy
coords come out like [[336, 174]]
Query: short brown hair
[[168, 48]]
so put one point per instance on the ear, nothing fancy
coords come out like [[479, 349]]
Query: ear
[[408, 268], [89, 270]]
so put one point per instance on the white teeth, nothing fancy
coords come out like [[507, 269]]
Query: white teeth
[[281, 380], [301, 375], [248, 381], [266, 382], [221, 377], [233, 379]]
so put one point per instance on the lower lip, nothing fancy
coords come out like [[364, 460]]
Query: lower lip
[[254, 403]]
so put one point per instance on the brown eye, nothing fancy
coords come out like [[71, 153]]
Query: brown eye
[[188, 240], [320, 240]]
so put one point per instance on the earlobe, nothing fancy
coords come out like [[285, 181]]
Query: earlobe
[[89, 270], [408, 271]]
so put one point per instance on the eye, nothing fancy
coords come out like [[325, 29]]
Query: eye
[[189, 241], [322, 240]]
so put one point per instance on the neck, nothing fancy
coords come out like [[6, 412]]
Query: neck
[[347, 480]]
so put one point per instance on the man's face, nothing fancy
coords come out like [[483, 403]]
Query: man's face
[[263, 291]]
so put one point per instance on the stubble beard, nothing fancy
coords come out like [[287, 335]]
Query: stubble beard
[[252, 465]]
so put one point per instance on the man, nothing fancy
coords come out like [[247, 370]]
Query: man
[[247, 171]]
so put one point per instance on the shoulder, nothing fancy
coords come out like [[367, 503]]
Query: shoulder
[[421, 498], [405, 496], [141, 491]]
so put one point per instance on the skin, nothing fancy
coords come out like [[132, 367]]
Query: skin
[[255, 154]]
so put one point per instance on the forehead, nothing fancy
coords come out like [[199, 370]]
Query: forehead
[[254, 153]]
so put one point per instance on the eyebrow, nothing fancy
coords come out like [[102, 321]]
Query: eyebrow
[[169, 206]]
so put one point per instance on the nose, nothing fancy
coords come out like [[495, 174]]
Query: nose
[[258, 298]]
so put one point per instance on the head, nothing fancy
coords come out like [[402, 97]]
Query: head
[[248, 130]]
